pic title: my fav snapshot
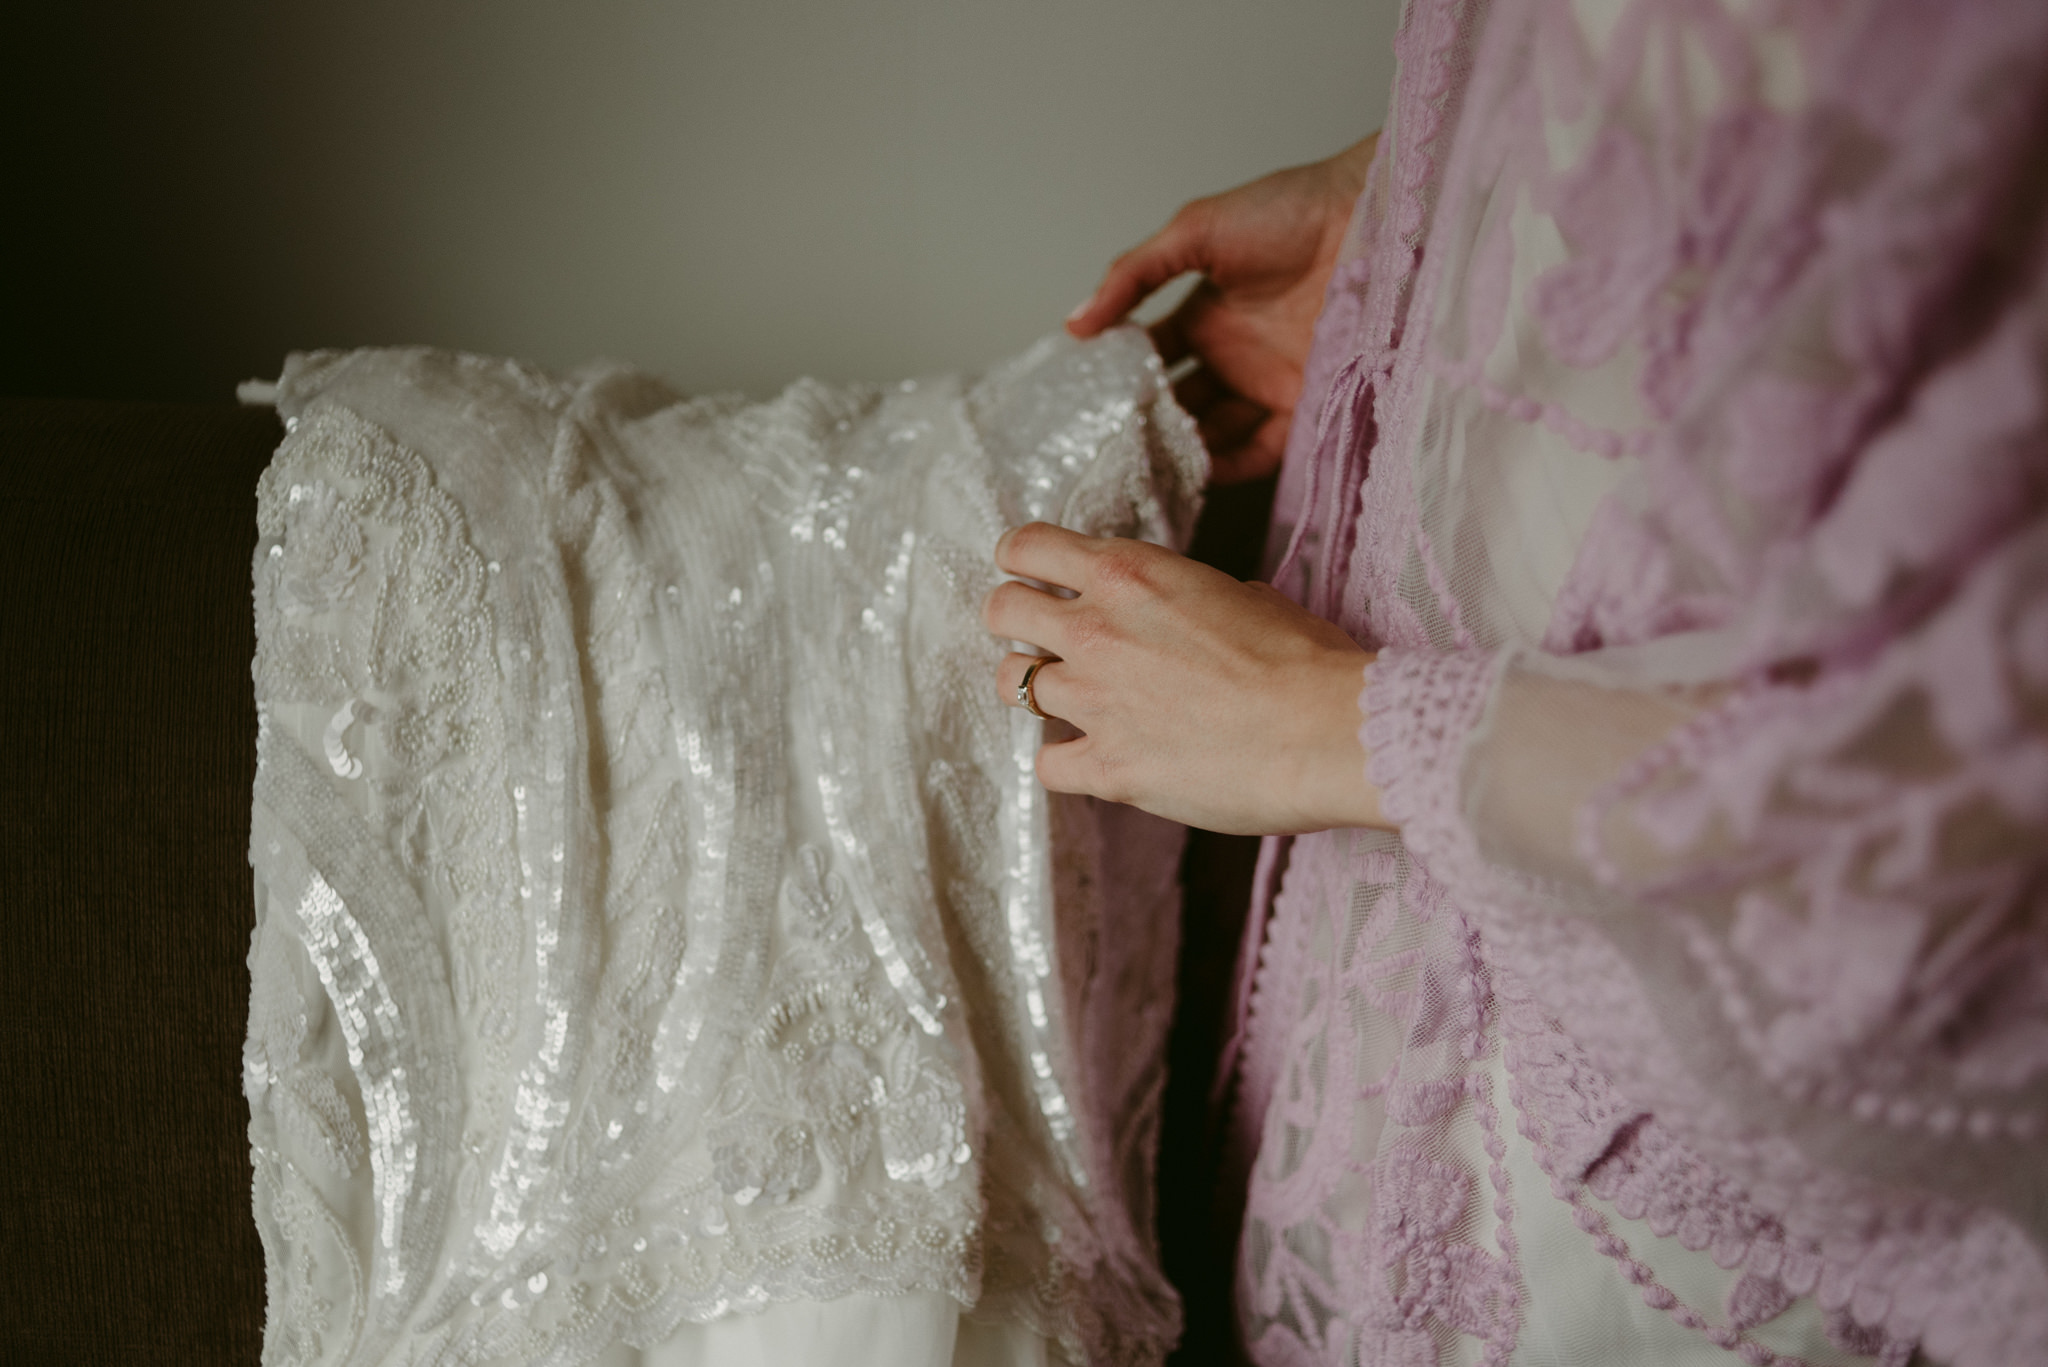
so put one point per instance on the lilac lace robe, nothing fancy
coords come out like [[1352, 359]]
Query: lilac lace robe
[[1722, 882]]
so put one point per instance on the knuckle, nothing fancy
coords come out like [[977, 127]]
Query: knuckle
[[1089, 631], [1123, 567], [1196, 217]]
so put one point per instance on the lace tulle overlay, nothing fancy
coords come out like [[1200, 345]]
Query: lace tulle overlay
[[658, 916], [1683, 450]]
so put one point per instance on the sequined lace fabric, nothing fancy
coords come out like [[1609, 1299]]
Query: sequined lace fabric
[[658, 915], [1677, 433]]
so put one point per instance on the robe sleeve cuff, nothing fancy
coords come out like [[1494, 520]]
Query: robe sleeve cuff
[[1421, 708]]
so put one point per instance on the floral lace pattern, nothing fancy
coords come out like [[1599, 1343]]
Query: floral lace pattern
[[614, 968], [1741, 307]]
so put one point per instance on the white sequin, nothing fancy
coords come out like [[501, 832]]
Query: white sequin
[[703, 945]]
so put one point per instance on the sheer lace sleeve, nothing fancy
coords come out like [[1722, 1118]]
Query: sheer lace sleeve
[[1765, 758], [1800, 915], [1698, 384]]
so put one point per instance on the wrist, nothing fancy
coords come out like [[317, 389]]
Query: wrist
[[1331, 787]]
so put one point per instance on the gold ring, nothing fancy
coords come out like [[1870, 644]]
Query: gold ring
[[1027, 699]]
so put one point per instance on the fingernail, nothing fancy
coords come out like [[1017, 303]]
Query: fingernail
[[1080, 308]]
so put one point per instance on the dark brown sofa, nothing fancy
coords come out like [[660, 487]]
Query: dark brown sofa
[[126, 754], [127, 751]]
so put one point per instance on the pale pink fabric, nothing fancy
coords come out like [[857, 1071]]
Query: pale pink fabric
[[1766, 956]]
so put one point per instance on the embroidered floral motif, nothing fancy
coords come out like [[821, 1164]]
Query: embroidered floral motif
[[1422, 1274], [672, 984], [326, 550], [756, 1160], [1766, 289], [309, 1107]]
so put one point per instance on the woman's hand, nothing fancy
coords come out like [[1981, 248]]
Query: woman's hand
[[1267, 249], [1215, 703]]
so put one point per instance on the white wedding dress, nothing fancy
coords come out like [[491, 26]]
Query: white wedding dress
[[664, 952]]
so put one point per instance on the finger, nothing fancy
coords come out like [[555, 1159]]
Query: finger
[[1258, 456], [1069, 766], [1018, 612], [1010, 674], [1174, 336], [1047, 687], [1172, 250], [1197, 391], [1049, 554]]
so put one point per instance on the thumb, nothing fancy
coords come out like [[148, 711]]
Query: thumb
[[1174, 249]]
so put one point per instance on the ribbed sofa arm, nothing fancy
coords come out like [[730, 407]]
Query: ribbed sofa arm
[[127, 747]]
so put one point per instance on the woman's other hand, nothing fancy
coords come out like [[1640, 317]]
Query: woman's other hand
[[1212, 702], [1266, 250]]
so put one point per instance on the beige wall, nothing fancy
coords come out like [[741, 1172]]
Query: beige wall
[[728, 193]]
